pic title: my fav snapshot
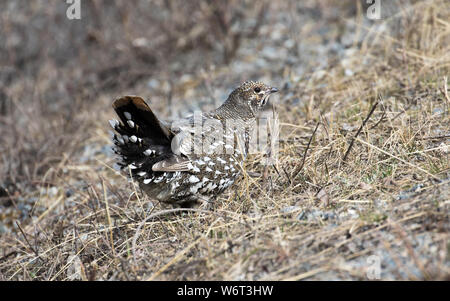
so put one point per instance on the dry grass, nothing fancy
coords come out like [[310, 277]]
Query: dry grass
[[66, 214]]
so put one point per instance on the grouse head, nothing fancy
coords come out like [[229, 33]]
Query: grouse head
[[250, 97]]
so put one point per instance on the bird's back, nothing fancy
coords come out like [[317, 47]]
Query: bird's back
[[177, 162]]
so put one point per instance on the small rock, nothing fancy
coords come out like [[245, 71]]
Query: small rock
[[289, 209], [52, 191]]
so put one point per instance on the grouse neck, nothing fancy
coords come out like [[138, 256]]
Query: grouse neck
[[236, 110]]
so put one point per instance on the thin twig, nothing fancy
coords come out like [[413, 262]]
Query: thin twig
[[434, 137], [108, 218], [8, 255], [359, 131], [444, 90], [306, 151], [287, 175], [379, 121], [29, 244], [279, 175]]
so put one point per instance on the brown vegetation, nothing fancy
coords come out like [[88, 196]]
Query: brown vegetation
[[66, 214]]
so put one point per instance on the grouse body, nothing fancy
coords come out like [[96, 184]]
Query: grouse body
[[192, 159]]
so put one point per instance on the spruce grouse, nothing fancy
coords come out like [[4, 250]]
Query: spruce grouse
[[192, 159]]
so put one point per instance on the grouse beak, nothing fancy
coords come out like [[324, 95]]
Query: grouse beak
[[269, 92]]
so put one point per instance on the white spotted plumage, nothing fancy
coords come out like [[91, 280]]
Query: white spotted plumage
[[193, 179], [149, 152], [114, 123], [222, 161], [120, 140], [171, 174], [130, 123]]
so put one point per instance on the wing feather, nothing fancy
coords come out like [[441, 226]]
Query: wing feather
[[172, 164]]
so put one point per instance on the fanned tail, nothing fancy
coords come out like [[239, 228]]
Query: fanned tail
[[141, 139]]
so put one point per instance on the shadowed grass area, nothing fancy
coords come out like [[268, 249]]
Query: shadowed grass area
[[66, 214]]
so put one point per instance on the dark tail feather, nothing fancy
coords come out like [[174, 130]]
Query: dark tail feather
[[141, 139], [139, 118]]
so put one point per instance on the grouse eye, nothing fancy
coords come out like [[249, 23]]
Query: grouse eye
[[257, 89]]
